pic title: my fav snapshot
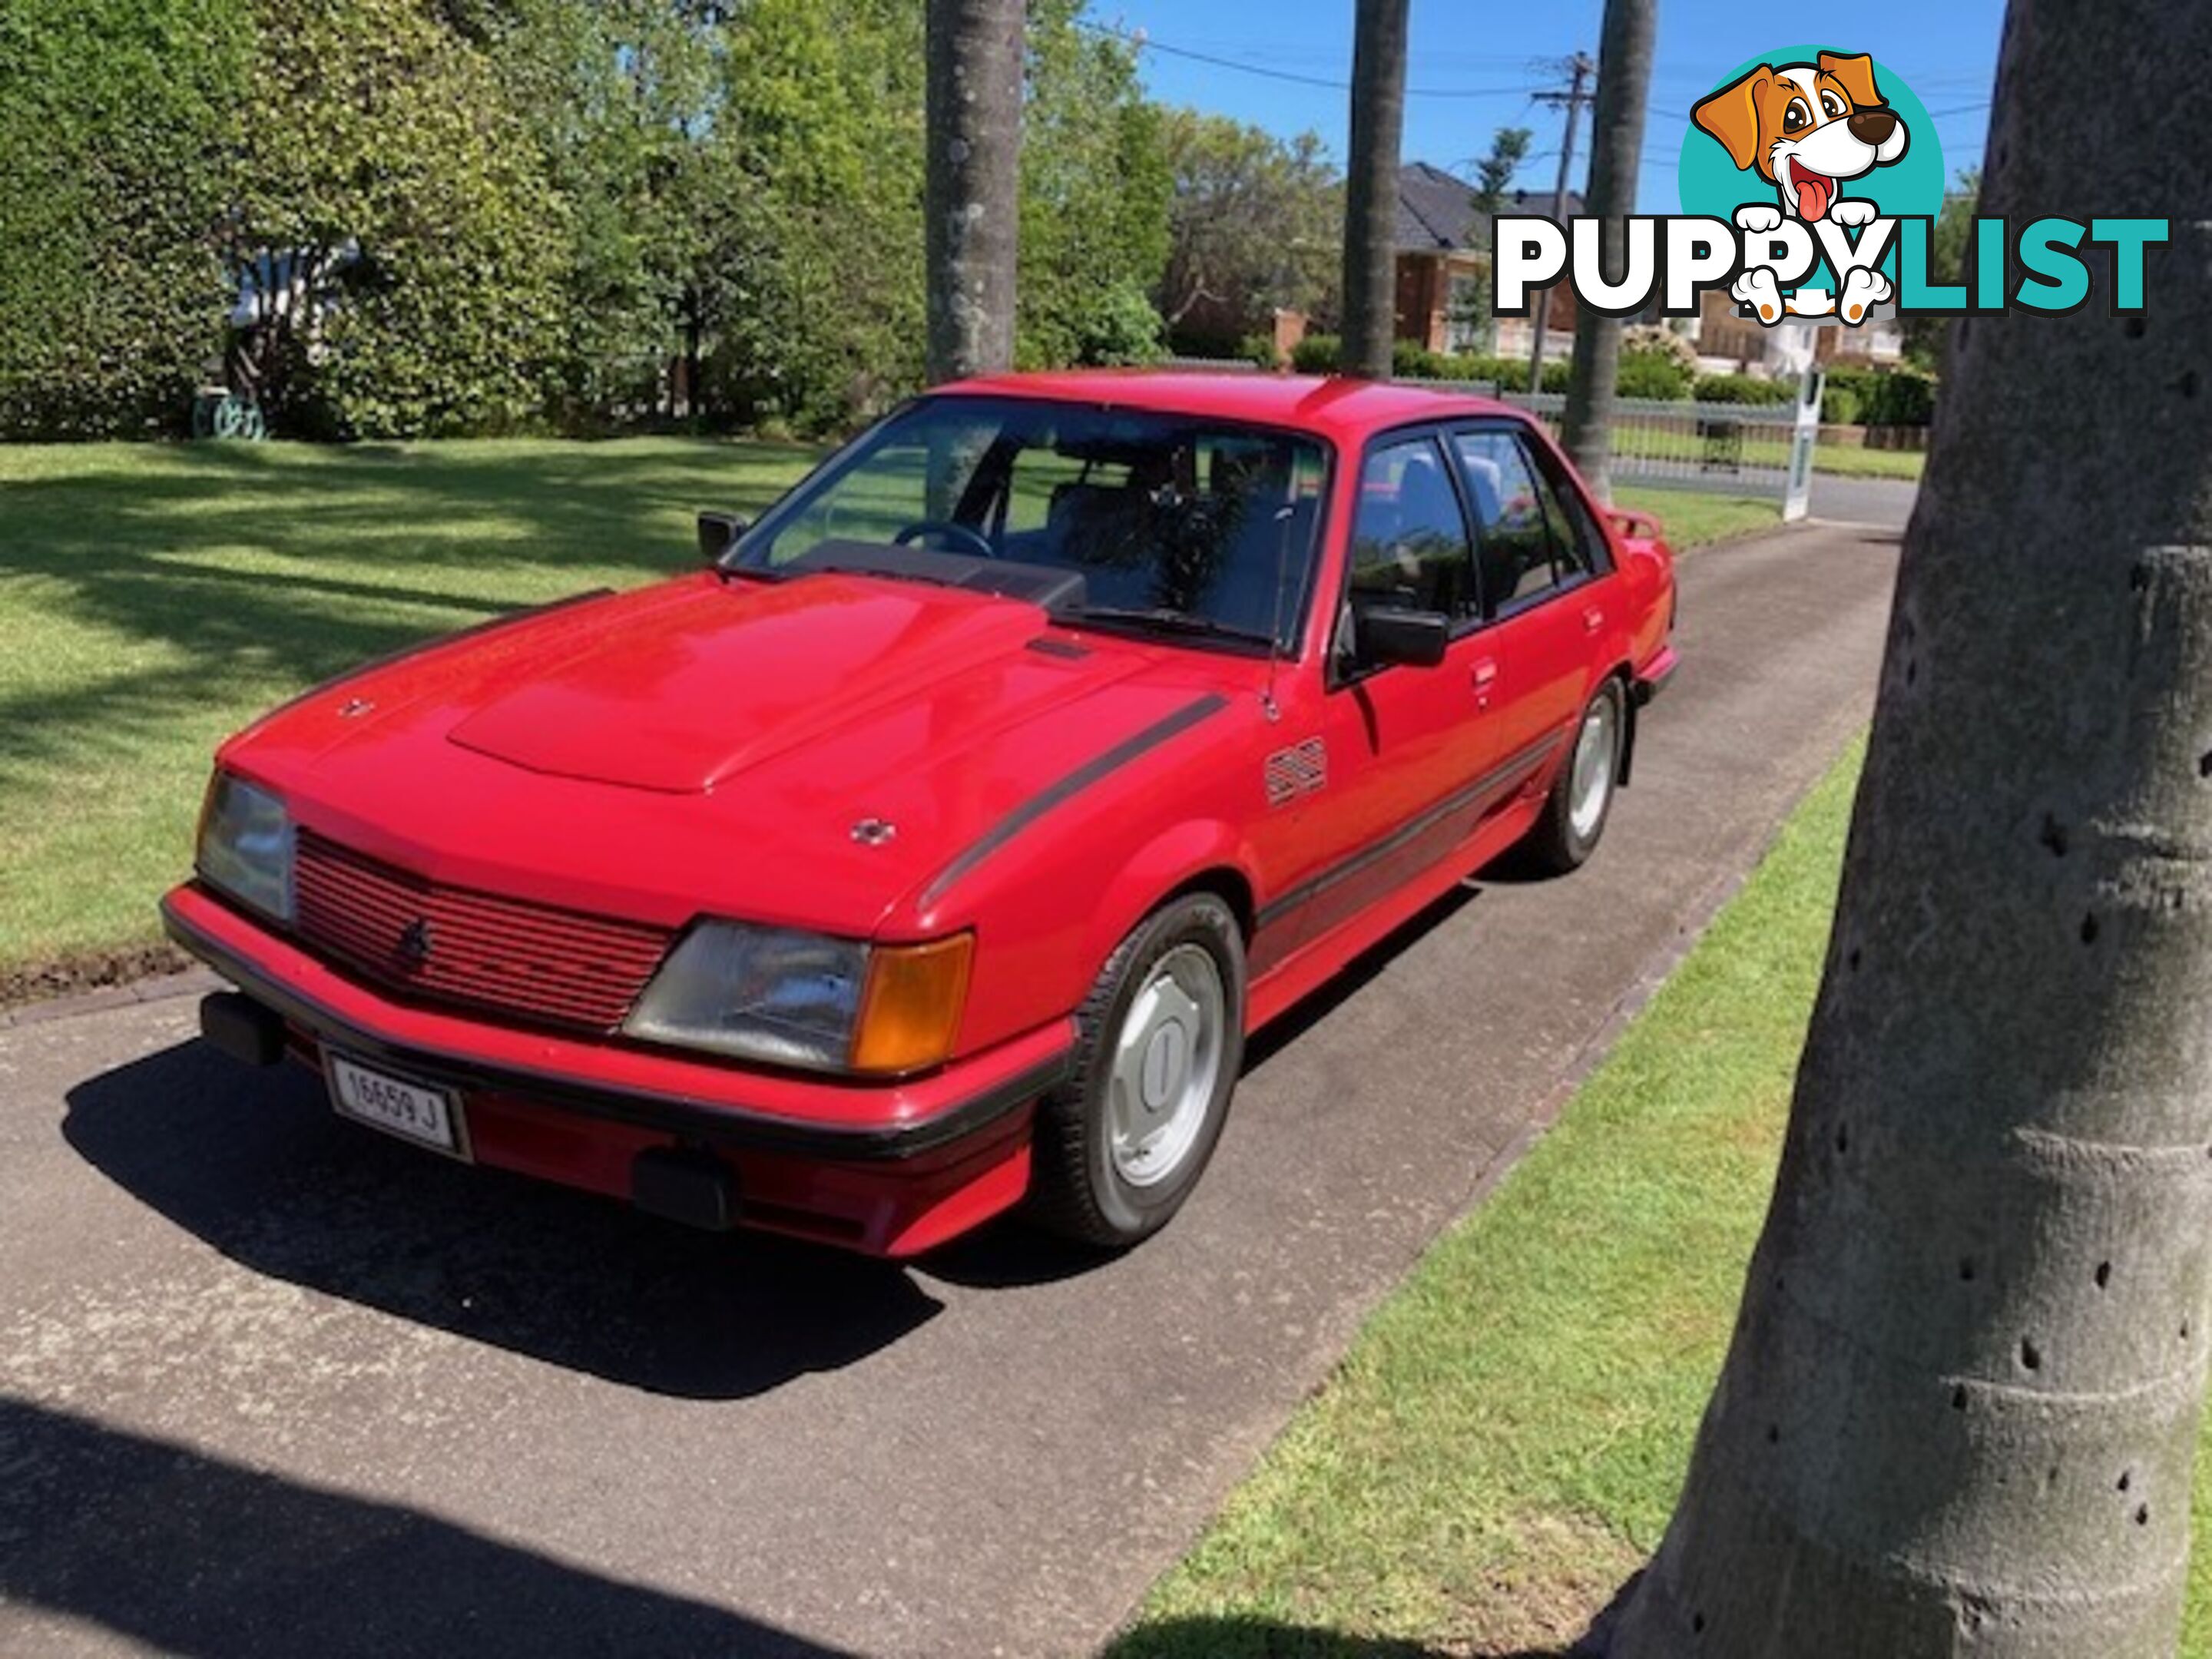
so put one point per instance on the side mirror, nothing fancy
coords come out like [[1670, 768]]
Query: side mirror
[[718, 534], [1387, 636]]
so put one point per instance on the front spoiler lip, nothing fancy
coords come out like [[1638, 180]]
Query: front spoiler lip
[[673, 1114]]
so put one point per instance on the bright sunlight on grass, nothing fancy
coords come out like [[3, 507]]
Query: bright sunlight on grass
[[1693, 518], [153, 598], [1503, 1445]]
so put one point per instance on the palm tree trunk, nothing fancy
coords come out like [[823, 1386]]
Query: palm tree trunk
[[1624, 84], [1370, 188], [975, 116], [1958, 1414]]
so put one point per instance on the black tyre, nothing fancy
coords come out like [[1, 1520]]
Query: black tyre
[[1161, 1037], [1581, 800]]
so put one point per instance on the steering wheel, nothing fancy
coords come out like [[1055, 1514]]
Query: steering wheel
[[977, 541]]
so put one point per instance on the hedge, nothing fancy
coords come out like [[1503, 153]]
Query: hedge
[[119, 121], [1741, 389]]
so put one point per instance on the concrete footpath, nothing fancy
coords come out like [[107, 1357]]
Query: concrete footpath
[[271, 1385]]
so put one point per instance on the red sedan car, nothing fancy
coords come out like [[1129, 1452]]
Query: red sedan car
[[939, 847]]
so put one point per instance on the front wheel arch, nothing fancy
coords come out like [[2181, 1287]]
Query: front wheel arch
[[1197, 855]]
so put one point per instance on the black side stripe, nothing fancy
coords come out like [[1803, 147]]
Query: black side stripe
[[1076, 781], [1500, 777]]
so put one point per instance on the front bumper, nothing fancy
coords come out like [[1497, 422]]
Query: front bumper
[[889, 1168]]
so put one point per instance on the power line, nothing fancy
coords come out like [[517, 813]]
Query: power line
[[1145, 43]]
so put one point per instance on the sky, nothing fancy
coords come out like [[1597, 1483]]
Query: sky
[[1473, 62]]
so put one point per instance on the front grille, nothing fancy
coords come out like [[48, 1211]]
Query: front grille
[[440, 944]]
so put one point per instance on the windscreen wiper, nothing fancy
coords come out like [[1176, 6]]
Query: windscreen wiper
[[1168, 621]]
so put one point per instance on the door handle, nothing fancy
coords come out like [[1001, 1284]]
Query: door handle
[[1592, 619], [1485, 677]]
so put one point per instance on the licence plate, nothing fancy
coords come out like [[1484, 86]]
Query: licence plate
[[413, 1111]]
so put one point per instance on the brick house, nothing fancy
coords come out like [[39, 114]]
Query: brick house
[[1442, 298], [1443, 243]]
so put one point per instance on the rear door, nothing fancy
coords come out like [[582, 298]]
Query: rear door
[[1401, 744], [1541, 557]]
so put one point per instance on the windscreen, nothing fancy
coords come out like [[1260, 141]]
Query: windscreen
[[1169, 518]]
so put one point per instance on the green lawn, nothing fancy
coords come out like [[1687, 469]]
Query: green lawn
[[1637, 437], [153, 598], [1693, 518], [1852, 463], [1503, 1445]]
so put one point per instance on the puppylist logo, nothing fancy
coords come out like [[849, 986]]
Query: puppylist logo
[[1810, 180]]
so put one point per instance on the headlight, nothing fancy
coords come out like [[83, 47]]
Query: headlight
[[246, 846], [795, 998]]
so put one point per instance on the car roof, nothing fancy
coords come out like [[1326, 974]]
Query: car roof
[[1340, 408]]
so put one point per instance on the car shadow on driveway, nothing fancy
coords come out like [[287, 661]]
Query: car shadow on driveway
[[188, 1554], [255, 1164], [1236, 1636]]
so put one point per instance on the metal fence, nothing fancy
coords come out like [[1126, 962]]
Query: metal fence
[[1732, 449], [1214, 364], [1759, 450]]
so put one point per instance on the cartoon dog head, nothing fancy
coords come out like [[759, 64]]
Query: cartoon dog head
[[1806, 127]]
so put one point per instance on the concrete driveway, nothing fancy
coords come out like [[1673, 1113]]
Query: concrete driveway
[[272, 1385], [1884, 501]]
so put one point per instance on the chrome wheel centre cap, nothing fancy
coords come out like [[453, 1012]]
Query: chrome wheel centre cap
[[1167, 1057]]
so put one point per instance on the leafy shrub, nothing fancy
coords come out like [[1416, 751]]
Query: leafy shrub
[[1118, 326], [1903, 397], [1257, 348], [1848, 396], [1506, 374], [118, 123], [1656, 339], [1316, 354], [1841, 405], [1658, 374], [1409, 361]]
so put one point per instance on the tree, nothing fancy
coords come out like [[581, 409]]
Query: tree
[[814, 283], [973, 198], [1624, 84], [1493, 173], [1947, 259], [1958, 1412], [1094, 198], [1370, 203], [1254, 224], [621, 97]]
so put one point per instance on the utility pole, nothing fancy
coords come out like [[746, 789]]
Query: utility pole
[[1576, 95]]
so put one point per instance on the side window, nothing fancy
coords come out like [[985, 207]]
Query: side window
[[1409, 545], [1575, 540], [1513, 516]]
